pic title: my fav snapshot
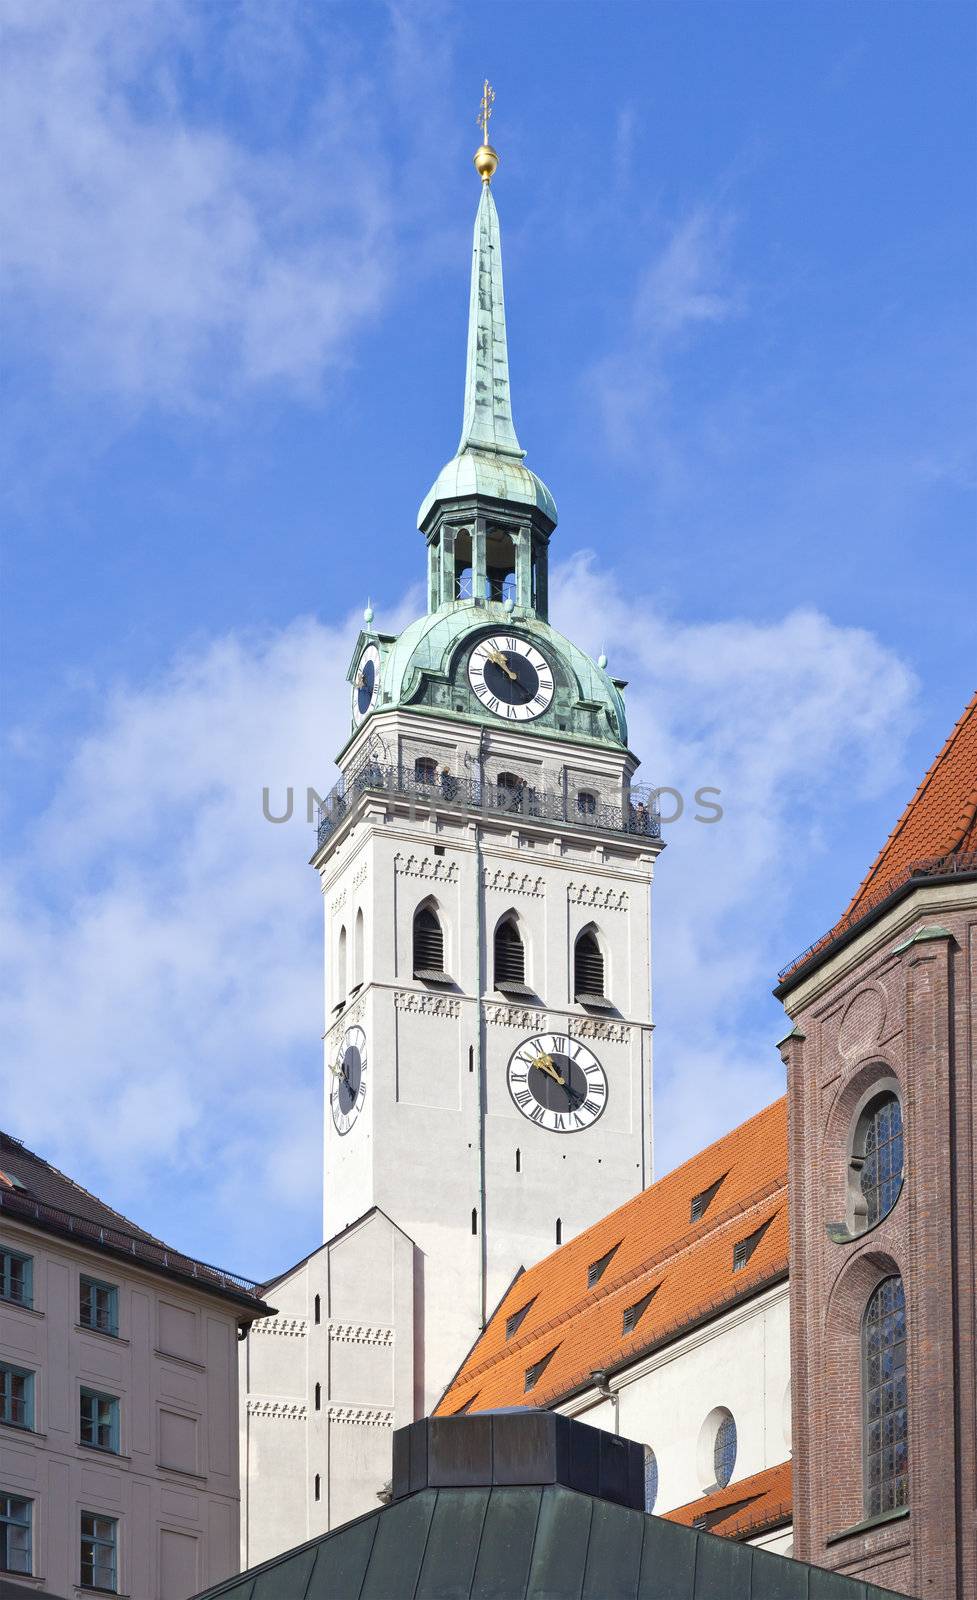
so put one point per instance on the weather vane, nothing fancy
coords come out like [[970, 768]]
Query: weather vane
[[485, 158]]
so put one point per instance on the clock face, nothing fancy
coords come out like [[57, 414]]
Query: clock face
[[348, 1090], [366, 684], [510, 677], [557, 1083]]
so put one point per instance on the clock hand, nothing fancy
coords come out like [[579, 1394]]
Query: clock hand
[[498, 660], [546, 1064]]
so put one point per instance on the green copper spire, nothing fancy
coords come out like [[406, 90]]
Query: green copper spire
[[488, 407]]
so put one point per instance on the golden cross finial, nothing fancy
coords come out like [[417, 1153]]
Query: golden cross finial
[[485, 109]]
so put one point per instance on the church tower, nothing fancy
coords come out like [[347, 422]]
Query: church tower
[[485, 862]]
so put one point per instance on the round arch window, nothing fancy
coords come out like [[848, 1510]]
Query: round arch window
[[724, 1451], [651, 1478], [716, 1453], [877, 1159]]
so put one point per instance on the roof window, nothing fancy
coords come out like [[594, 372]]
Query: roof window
[[597, 1269], [515, 1322], [702, 1201], [744, 1248], [535, 1372], [634, 1313]]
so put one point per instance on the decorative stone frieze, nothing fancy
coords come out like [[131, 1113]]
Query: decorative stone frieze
[[278, 1410], [515, 883], [432, 1005], [285, 1327], [592, 894], [359, 876], [359, 1333], [339, 901], [595, 1028], [361, 1416], [514, 1017], [432, 867]]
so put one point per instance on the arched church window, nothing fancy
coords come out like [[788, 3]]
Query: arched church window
[[651, 1478], [341, 965], [588, 967], [428, 943], [425, 770], [317, 1310], [724, 1451], [877, 1157], [510, 956], [885, 1449]]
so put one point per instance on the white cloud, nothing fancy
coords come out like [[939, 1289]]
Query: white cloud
[[149, 250], [162, 942]]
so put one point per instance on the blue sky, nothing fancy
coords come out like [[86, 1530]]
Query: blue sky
[[739, 257]]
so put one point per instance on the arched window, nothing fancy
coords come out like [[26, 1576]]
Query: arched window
[[510, 957], [318, 1396], [559, 1230], [318, 1486], [500, 564], [317, 1309], [358, 950], [651, 1478], [341, 965], [724, 1451], [425, 770], [885, 1448], [877, 1157], [586, 803], [428, 943], [588, 967]]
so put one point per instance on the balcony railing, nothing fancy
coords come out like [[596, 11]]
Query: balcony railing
[[635, 813]]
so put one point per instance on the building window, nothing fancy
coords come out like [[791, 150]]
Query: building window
[[510, 955], [318, 1486], [428, 943], [588, 968], [15, 1534], [512, 793], [724, 1451], [99, 1420], [341, 965], [885, 1425], [515, 1322], [535, 1372], [586, 803], [597, 1268], [878, 1152], [98, 1306], [425, 770], [702, 1201], [99, 1547], [16, 1397], [318, 1396], [651, 1478], [317, 1310], [634, 1313], [16, 1278], [559, 1230]]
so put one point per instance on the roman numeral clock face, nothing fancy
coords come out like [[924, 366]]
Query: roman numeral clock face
[[510, 677], [557, 1083], [348, 1091]]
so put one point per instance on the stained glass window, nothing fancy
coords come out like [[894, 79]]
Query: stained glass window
[[724, 1451], [886, 1435], [882, 1148], [651, 1478]]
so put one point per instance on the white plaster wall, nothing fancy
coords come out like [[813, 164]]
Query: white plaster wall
[[175, 1486], [740, 1361]]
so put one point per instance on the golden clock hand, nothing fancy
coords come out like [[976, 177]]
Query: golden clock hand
[[546, 1064], [498, 660]]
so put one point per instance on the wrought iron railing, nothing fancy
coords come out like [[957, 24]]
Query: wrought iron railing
[[948, 866], [145, 1251], [636, 812]]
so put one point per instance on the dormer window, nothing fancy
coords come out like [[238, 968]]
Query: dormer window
[[744, 1248], [535, 1372], [597, 1269], [634, 1313], [702, 1201], [515, 1322]]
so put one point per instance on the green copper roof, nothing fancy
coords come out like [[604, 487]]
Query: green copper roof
[[489, 456]]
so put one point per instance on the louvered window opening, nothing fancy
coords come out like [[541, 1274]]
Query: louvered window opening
[[881, 1174], [744, 1248], [633, 1314], [597, 1269], [885, 1400], [588, 967], [428, 943], [535, 1372], [515, 1322], [510, 955]]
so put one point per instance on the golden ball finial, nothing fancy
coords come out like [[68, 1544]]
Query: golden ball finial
[[486, 162]]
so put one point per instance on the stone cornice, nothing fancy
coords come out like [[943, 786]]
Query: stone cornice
[[278, 1410]]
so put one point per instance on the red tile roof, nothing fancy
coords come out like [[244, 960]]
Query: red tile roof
[[743, 1509], [936, 833], [682, 1270]]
